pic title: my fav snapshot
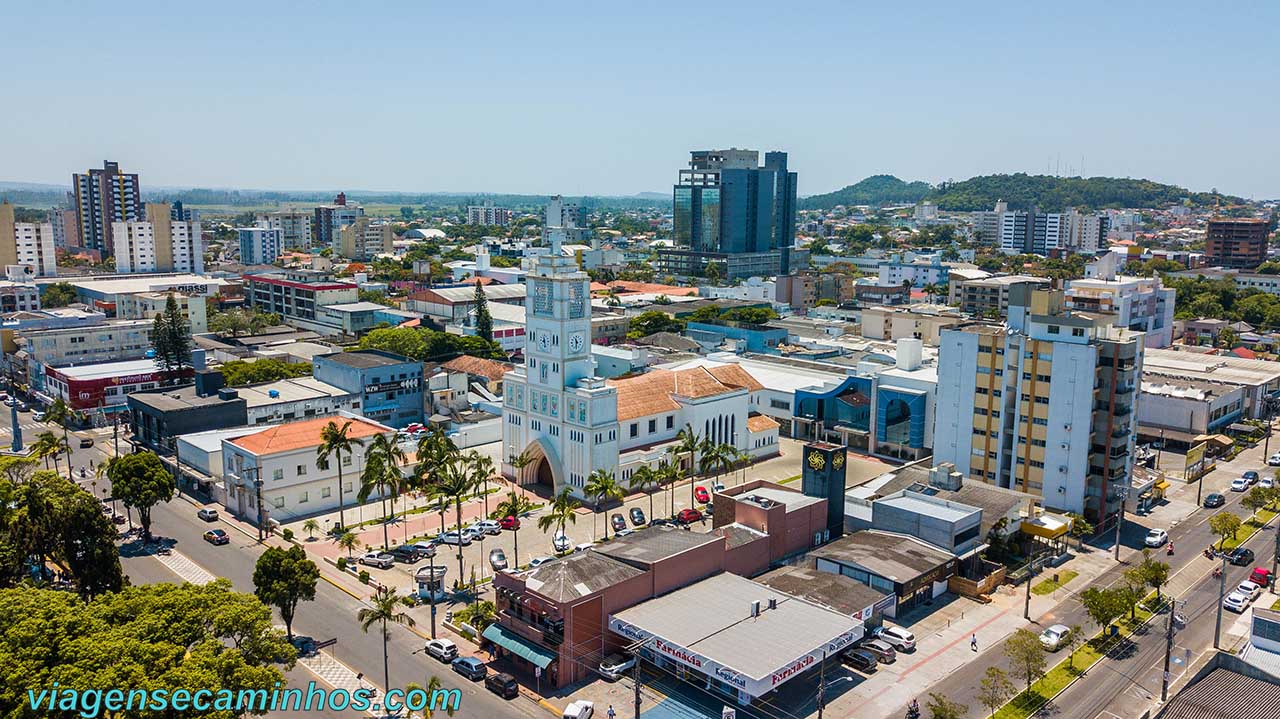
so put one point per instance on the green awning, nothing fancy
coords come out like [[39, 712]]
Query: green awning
[[519, 646]]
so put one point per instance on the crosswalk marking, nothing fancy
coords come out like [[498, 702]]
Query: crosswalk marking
[[338, 675], [187, 570]]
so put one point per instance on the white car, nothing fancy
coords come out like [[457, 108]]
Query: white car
[[1156, 538], [442, 649], [1236, 602], [539, 561], [1239, 484], [897, 637], [1274, 460], [1249, 589], [1054, 637], [381, 560], [581, 709], [461, 539], [486, 526], [426, 549], [560, 542], [615, 666], [1267, 482]]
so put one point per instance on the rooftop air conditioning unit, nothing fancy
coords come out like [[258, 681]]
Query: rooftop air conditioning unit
[[755, 608]]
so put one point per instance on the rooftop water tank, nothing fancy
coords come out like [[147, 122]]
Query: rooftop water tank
[[273, 393]]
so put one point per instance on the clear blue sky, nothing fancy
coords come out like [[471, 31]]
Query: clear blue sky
[[608, 97]]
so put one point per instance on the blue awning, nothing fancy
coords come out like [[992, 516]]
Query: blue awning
[[519, 646]]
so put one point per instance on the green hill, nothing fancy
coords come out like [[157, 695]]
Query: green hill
[[1021, 191]]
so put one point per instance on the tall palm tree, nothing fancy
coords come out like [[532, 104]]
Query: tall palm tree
[[482, 466], [518, 464], [641, 480], [601, 484], [687, 443], [336, 441], [669, 474], [61, 413], [381, 473], [384, 609], [513, 506], [723, 456], [456, 483], [433, 686], [48, 445], [562, 511]]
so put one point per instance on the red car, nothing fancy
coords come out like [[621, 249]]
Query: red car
[[509, 522], [700, 494], [1261, 577], [689, 515]]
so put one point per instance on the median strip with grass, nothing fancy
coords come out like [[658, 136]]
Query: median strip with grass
[[1053, 583]]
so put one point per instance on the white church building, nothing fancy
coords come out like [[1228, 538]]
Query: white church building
[[570, 422]]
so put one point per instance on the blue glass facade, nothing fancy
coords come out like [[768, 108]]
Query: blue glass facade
[[900, 416], [847, 405]]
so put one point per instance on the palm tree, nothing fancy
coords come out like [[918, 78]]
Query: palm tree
[[686, 443], [513, 506], [382, 460], [348, 541], [310, 526], [433, 686], [48, 445], [743, 460], [601, 484], [722, 458], [456, 483], [561, 511], [518, 464], [669, 474], [482, 466], [642, 479], [61, 413], [478, 615], [385, 609], [336, 441]]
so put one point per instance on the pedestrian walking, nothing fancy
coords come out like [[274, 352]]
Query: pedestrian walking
[[611, 713], [973, 642]]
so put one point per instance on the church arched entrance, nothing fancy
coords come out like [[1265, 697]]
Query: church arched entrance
[[543, 469], [544, 475]]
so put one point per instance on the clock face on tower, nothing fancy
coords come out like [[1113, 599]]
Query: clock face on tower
[[544, 341], [575, 342]]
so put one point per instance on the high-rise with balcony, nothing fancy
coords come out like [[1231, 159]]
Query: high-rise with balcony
[[26, 248], [103, 198], [732, 212], [1043, 404], [158, 243], [328, 221], [1236, 242]]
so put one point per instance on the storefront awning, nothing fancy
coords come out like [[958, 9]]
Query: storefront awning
[[1162, 485], [521, 647], [1047, 526]]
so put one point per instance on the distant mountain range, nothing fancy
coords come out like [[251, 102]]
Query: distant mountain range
[[1021, 191]]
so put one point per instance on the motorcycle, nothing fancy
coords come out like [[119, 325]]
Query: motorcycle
[[1170, 550], [1217, 572], [913, 710]]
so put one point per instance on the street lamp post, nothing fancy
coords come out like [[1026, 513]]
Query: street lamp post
[[1124, 494], [432, 588], [1168, 649], [1222, 591]]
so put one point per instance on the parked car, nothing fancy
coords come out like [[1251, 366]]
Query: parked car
[[1261, 577], [497, 559], [1053, 638], [1250, 476], [538, 561], [1156, 538], [580, 709], [487, 526], [1267, 482], [216, 536], [583, 546], [1239, 484], [86, 442], [457, 538], [884, 653], [1236, 602], [624, 532], [688, 515], [897, 637], [208, 515], [618, 522], [560, 543], [22, 406], [700, 494], [1213, 499], [637, 517], [470, 667], [406, 553], [425, 549], [381, 560], [442, 649], [1274, 460], [615, 666], [509, 522], [860, 659], [37, 416], [1249, 589], [1240, 556], [717, 487], [504, 685]]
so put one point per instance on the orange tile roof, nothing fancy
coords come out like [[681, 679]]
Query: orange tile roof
[[492, 369], [628, 286], [761, 423], [303, 434], [655, 392], [734, 376]]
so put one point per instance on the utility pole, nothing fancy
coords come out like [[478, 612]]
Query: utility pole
[[257, 485], [1031, 575], [431, 586], [1124, 494], [1160, 451], [13, 414], [1168, 650], [1222, 591], [635, 679], [822, 683], [1275, 559]]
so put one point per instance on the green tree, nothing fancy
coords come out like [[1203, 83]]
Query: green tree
[[437, 696], [384, 609], [1026, 654], [87, 543], [1224, 524], [348, 540], [513, 506], [456, 482], [479, 614], [941, 707], [563, 511], [602, 485], [141, 481], [284, 577], [1256, 499], [171, 340], [1155, 573], [58, 294], [1074, 639], [61, 414], [484, 322], [1228, 338], [238, 373], [652, 321], [382, 460], [995, 689], [1103, 605], [310, 527], [48, 446], [641, 480], [687, 443], [336, 441], [1081, 528]]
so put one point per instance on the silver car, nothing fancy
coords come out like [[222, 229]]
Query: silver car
[[381, 560]]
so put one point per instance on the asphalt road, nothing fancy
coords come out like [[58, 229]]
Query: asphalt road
[[331, 615], [1190, 537]]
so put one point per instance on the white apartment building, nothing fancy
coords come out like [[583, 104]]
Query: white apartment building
[[26, 248], [487, 214], [294, 227], [294, 483], [365, 239], [158, 244], [146, 305], [261, 244], [1141, 304], [18, 296], [115, 341]]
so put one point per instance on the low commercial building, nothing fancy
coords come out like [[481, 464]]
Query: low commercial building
[[1258, 379], [923, 322], [739, 638], [298, 296], [146, 305], [989, 297], [455, 304], [911, 569], [101, 389], [388, 386], [1179, 410], [833, 591], [794, 522], [158, 416], [103, 292]]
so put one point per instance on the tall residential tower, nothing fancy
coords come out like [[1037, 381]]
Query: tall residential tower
[[104, 197]]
